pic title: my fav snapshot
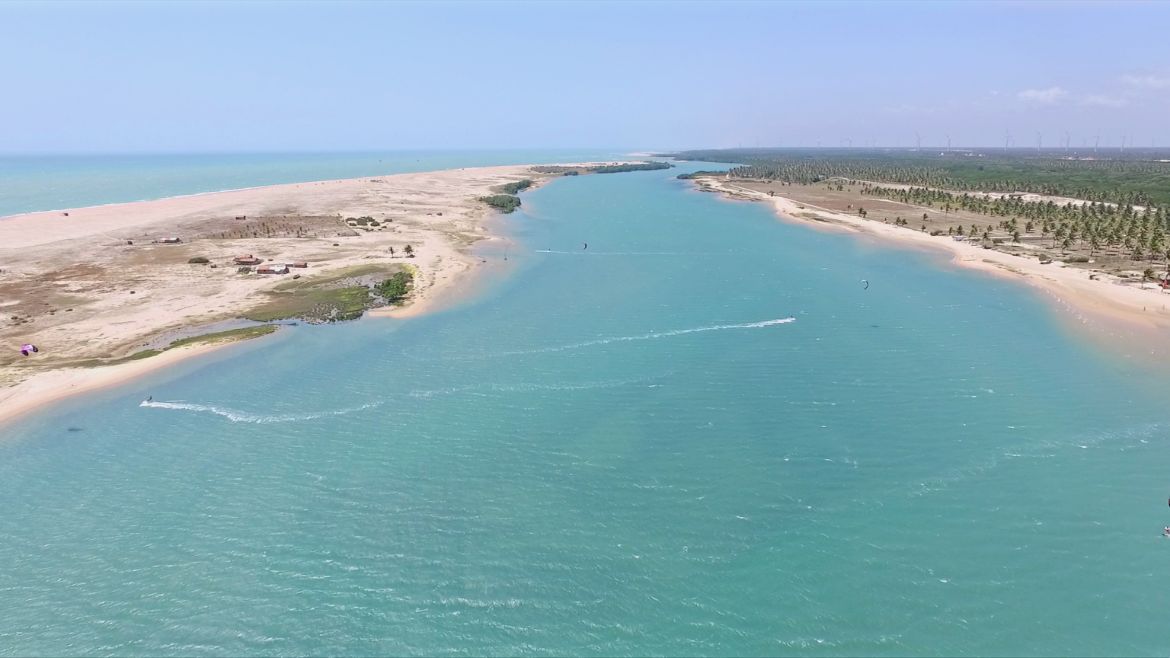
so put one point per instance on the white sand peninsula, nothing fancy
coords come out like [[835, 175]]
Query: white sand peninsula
[[1117, 310], [96, 285]]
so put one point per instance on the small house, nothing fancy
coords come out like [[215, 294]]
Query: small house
[[300, 264], [275, 268], [171, 240], [248, 259]]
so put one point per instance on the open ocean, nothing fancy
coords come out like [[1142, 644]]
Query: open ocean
[[628, 449]]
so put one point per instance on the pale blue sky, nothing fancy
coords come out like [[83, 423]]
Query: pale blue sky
[[169, 76]]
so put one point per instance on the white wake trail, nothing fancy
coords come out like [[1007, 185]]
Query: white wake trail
[[525, 387], [652, 336], [237, 416], [612, 253]]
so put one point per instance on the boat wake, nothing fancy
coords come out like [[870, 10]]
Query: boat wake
[[653, 335], [237, 416], [612, 253], [524, 387]]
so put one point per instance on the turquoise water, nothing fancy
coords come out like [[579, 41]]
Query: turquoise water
[[50, 182], [619, 450]]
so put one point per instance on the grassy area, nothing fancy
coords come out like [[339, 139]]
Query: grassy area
[[243, 333], [313, 304], [137, 356], [231, 335], [343, 295]]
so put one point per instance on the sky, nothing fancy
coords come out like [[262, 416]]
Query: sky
[[283, 76]]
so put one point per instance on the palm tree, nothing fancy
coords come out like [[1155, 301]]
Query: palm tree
[[409, 251], [392, 252]]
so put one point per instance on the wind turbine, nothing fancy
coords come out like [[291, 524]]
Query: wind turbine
[[917, 141], [1039, 140]]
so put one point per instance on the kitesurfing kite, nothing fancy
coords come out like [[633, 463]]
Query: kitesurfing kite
[[28, 348], [865, 283], [585, 247]]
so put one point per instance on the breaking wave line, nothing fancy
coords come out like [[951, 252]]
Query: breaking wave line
[[237, 416]]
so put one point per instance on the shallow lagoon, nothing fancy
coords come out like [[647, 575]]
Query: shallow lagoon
[[613, 450]]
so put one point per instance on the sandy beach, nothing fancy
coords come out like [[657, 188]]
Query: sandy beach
[[1103, 302], [91, 286]]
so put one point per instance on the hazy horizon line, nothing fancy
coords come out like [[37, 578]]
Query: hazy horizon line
[[628, 149]]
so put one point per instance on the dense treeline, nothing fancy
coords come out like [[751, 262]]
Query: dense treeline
[[1138, 233], [1138, 182], [505, 203], [601, 169], [516, 187], [636, 166]]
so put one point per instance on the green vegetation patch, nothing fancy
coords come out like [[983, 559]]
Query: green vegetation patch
[[601, 169], [230, 335], [365, 220], [95, 363], [342, 295], [243, 333], [505, 203], [396, 288], [635, 166], [515, 188], [313, 305]]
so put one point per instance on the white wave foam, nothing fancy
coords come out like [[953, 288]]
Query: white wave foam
[[652, 336], [237, 416]]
